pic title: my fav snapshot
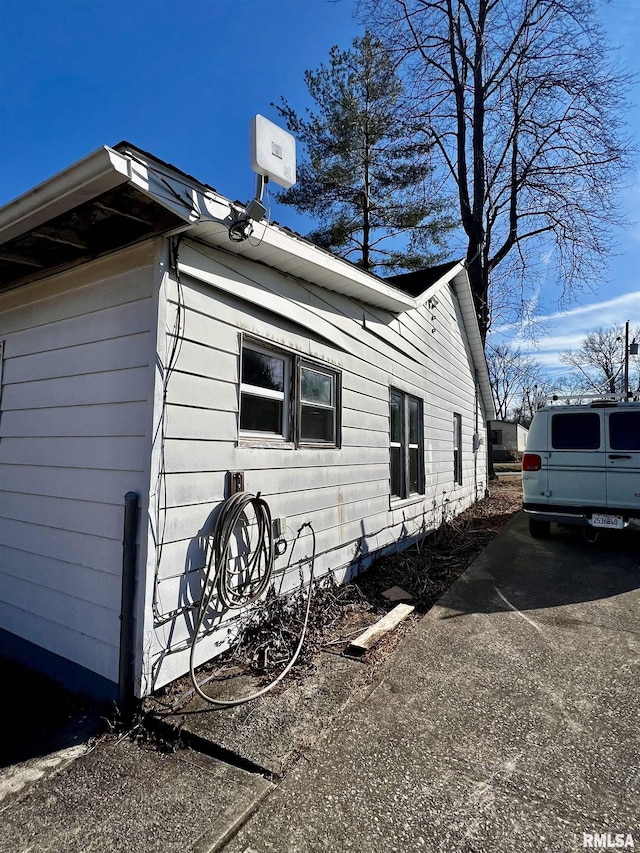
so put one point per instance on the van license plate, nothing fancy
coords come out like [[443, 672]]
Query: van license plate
[[614, 521]]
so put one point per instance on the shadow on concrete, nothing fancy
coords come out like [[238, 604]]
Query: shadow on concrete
[[40, 716], [519, 572]]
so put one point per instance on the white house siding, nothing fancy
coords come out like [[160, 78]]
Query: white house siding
[[74, 438], [344, 493]]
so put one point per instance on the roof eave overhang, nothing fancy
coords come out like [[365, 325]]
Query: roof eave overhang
[[462, 287], [459, 278], [293, 255], [205, 216], [97, 173], [211, 215]]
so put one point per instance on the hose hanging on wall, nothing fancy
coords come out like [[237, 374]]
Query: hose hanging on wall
[[234, 588]]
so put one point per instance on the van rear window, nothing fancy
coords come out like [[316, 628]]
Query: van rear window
[[624, 430], [579, 431]]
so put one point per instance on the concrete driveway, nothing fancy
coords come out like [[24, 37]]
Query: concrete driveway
[[506, 721]]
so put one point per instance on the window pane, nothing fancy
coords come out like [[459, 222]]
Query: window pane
[[396, 417], [316, 387], [260, 414], [413, 469], [457, 431], [624, 430], [262, 370], [396, 471], [316, 424], [414, 422], [580, 431]]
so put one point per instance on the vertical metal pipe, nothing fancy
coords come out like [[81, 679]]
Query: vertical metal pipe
[[127, 621]]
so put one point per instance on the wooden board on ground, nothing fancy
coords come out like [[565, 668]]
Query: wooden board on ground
[[379, 628]]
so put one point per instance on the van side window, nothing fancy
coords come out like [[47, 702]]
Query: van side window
[[579, 431], [624, 430]]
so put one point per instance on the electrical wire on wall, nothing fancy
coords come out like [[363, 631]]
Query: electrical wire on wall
[[236, 587], [177, 335]]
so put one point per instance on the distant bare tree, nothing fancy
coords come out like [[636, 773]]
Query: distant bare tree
[[513, 375], [523, 105], [599, 361], [523, 411]]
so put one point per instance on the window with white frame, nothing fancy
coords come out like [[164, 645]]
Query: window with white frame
[[406, 445], [457, 449], [274, 406], [264, 392], [318, 407]]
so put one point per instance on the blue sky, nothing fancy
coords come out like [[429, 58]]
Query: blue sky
[[183, 80]]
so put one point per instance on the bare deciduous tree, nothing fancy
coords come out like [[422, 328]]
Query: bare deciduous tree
[[599, 362], [523, 104], [513, 375]]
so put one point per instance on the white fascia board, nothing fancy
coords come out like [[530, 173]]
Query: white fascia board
[[168, 187], [432, 290], [462, 287], [290, 254], [459, 278], [339, 275], [95, 174]]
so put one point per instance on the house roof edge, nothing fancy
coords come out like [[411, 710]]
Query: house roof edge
[[98, 172]]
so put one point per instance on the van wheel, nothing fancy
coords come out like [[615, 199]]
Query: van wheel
[[539, 529]]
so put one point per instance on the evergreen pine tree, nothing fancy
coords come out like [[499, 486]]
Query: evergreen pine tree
[[365, 176]]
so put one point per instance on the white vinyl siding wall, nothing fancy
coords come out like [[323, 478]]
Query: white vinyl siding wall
[[74, 438], [345, 492]]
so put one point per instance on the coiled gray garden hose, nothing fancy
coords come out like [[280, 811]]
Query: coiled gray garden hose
[[236, 588]]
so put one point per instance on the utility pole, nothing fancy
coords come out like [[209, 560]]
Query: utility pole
[[626, 360]]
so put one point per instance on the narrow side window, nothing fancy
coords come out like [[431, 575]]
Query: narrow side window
[[457, 449], [396, 444], [406, 445]]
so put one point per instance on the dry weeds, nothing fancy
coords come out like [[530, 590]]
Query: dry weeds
[[338, 613]]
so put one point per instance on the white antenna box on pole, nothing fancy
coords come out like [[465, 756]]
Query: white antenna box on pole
[[273, 152]]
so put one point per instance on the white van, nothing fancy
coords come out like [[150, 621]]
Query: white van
[[582, 466]]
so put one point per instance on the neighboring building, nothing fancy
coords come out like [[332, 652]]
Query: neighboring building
[[144, 350], [508, 440]]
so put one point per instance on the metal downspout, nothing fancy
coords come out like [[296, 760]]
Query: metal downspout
[[476, 432], [127, 620]]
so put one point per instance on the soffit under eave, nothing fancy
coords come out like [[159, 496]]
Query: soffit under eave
[[120, 217]]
